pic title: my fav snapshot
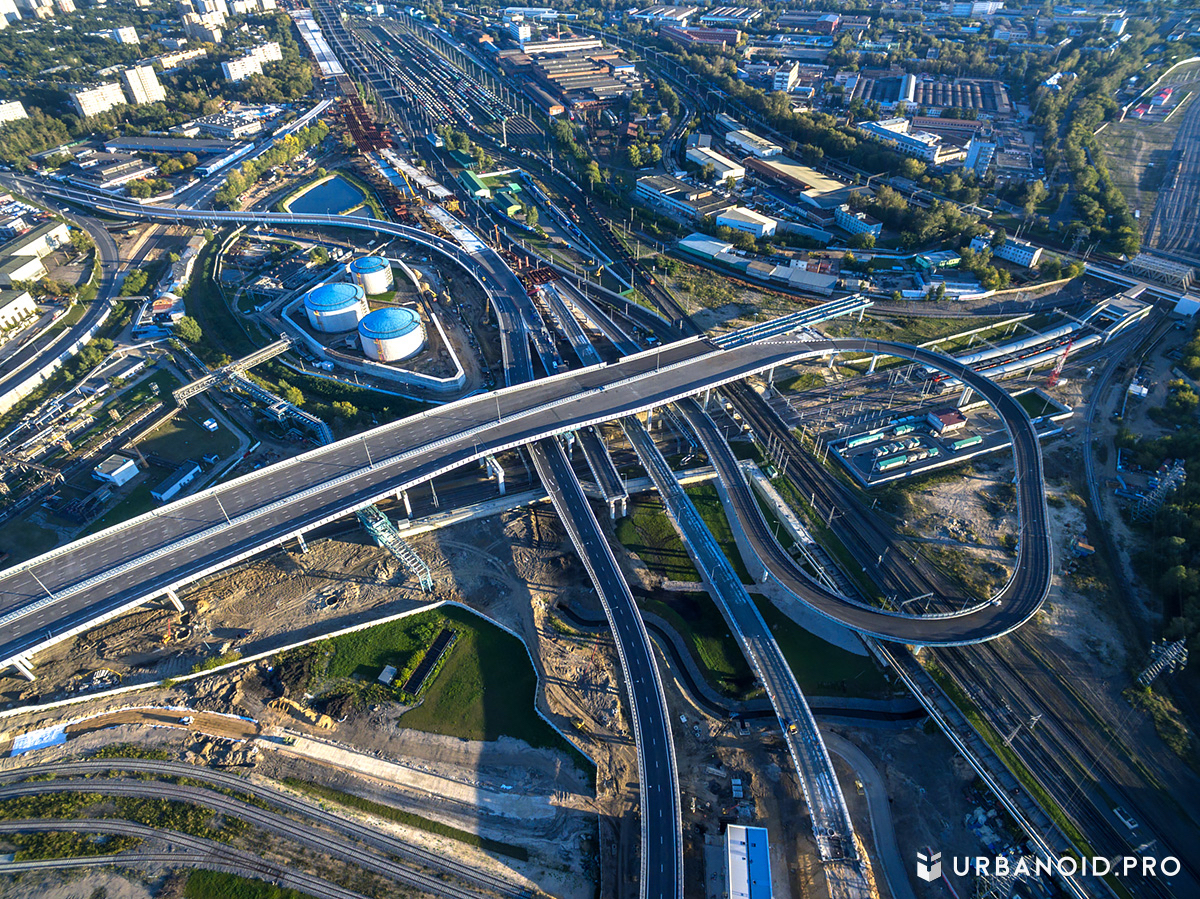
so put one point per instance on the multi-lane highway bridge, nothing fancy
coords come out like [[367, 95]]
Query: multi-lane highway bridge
[[70, 589]]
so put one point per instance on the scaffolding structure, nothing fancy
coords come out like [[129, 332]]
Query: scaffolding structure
[[384, 533], [1164, 656], [1168, 482]]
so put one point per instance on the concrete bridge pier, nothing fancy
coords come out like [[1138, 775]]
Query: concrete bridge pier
[[618, 507], [650, 419], [303, 544], [24, 668], [707, 397], [570, 439], [874, 359], [403, 495], [178, 603], [495, 470], [966, 397]]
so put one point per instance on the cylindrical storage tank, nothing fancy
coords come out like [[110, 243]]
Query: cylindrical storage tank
[[392, 334], [333, 308], [372, 273]]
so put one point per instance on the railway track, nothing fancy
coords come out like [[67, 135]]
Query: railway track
[[197, 853], [329, 842]]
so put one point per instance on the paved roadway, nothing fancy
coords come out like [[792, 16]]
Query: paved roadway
[[40, 351], [833, 830]]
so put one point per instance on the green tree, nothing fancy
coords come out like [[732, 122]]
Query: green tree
[[531, 216], [188, 330], [318, 256]]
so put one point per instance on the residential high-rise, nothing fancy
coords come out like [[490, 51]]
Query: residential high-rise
[[93, 99], [12, 110], [142, 85]]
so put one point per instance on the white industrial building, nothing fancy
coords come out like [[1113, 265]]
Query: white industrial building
[[90, 100], [334, 308], [751, 143], [17, 309], [142, 85], [747, 863], [723, 166], [739, 218], [182, 476], [372, 273], [12, 110], [856, 222], [1019, 252], [786, 77], [391, 334], [116, 470], [898, 133]]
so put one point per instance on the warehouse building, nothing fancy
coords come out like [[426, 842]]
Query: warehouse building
[[678, 198], [751, 143], [739, 218], [723, 166]]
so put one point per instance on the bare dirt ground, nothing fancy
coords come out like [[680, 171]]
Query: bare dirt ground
[[86, 885]]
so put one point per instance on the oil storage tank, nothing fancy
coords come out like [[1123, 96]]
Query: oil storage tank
[[391, 334], [333, 308], [372, 273]]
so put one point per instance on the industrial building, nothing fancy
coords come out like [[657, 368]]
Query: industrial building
[[723, 166], [90, 100], [372, 273], [980, 154], [335, 308], [474, 185], [920, 145], [747, 863], [1015, 250], [180, 478], [678, 197], [142, 85], [391, 334], [729, 17], [739, 218], [108, 171], [856, 222], [17, 309], [712, 37], [751, 143], [116, 470], [946, 421], [806, 183]]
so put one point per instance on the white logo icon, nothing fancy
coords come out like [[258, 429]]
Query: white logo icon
[[929, 866]]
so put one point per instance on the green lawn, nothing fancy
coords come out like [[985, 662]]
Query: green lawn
[[219, 885], [184, 438], [649, 532], [821, 668], [1036, 405], [696, 618], [708, 504], [138, 502], [910, 329], [484, 689], [23, 540]]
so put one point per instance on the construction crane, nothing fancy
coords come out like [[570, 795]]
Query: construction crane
[[1058, 366]]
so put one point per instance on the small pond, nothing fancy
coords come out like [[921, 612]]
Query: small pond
[[331, 197]]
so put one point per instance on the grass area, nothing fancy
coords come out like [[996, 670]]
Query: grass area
[[408, 819], [184, 438], [649, 532], [32, 846], [708, 503], [219, 885], [696, 618], [138, 502], [910, 329], [807, 380], [1036, 405], [223, 332], [1169, 723], [1138, 152], [22, 540], [827, 539], [485, 689], [822, 669]]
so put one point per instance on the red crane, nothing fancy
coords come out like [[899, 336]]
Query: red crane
[[1058, 366]]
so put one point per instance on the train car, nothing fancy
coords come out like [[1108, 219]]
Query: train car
[[966, 443], [901, 430]]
